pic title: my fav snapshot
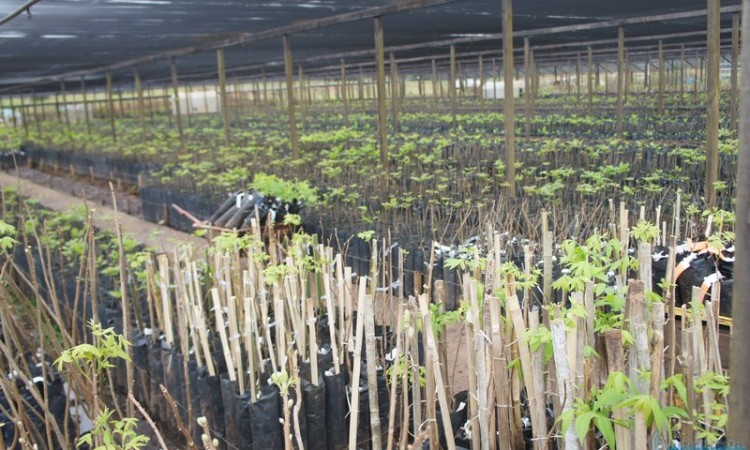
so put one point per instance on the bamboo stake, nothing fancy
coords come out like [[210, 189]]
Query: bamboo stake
[[356, 369], [219, 314], [563, 377], [431, 347], [397, 355], [500, 376], [372, 380], [167, 326]]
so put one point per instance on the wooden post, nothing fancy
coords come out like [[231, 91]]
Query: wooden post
[[733, 76], [141, 104], [660, 94], [452, 86], [434, 83], [289, 69], [176, 101], [85, 107], [526, 85], [360, 85], [223, 93], [682, 74], [111, 107], [620, 80], [589, 82], [380, 67], [344, 96], [65, 104], [481, 82], [739, 400], [713, 85], [394, 93], [578, 80], [508, 102]]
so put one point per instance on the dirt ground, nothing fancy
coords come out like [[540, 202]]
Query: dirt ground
[[60, 194]]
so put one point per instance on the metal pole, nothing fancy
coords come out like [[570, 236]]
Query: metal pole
[[289, 68], [733, 75], [380, 66], [223, 93], [620, 80], [713, 86], [508, 102], [111, 106], [739, 400]]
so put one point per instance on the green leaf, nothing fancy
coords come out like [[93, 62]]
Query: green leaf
[[583, 424], [604, 425]]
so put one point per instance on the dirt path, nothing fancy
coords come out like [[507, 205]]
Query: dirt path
[[153, 235]]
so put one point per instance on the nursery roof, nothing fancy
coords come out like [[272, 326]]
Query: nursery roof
[[64, 36]]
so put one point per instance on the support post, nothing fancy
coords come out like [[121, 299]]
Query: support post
[[223, 93], [481, 83], [682, 74], [452, 86], [65, 104], [590, 81], [508, 102], [380, 67], [141, 104], [111, 107], [394, 93], [344, 93], [739, 400], [578, 80], [713, 85], [660, 94], [527, 92], [85, 107], [360, 85], [289, 69], [434, 83], [620, 80], [176, 102], [733, 76]]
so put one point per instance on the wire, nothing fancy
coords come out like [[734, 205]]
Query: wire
[[25, 7]]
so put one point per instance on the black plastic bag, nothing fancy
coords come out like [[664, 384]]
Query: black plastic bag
[[337, 409], [211, 403], [314, 399], [264, 415]]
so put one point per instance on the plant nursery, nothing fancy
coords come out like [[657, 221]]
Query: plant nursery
[[385, 224]]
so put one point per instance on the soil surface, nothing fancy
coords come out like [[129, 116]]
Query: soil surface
[[59, 194]]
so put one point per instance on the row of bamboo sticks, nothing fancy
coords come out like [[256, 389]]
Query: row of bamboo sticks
[[253, 289]]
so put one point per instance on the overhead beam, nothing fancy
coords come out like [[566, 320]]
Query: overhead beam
[[244, 38]]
